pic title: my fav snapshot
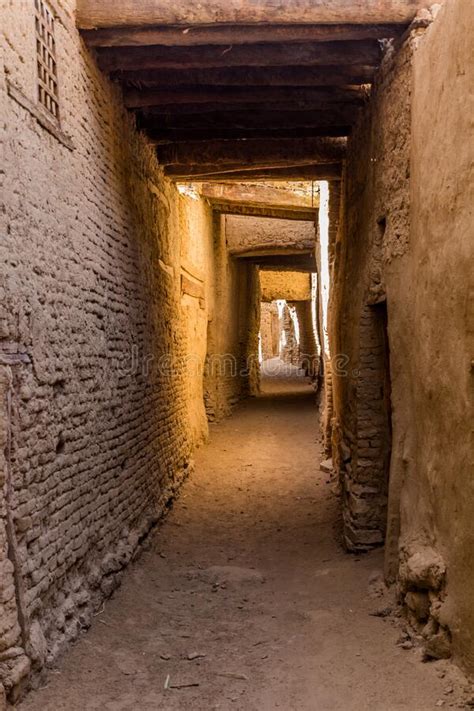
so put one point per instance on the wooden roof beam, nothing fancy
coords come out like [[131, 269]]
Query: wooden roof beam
[[138, 98], [276, 249], [324, 171], [296, 197], [254, 152], [178, 36], [366, 52], [165, 136], [244, 76], [119, 13], [272, 211], [258, 118], [281, 262]]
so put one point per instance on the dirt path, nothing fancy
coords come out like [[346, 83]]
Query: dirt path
[[247, 572]]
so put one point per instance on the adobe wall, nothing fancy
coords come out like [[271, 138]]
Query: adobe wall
[[101, 411], [289, 346], [437, 483], [233, 327], [269, 330], [290, 286], [247, 234], [375, 189], [308, 348], [401, 256], [192, 220]]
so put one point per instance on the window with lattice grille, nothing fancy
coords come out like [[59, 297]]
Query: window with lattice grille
[[46, 58]]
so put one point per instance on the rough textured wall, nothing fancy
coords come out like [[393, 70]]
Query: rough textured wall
[[250, 301], [289, 345], [308, 349], [437, 311], [90, 326], [334, 246], [403, 257], [247, 234], [193, 222], [290, 286], [375, 233], [14, 666], [233, 324], [269, 330]]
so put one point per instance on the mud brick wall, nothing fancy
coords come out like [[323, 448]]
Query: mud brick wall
[[289, 346], [374, 230], [90, 332], [269, 329], [309, 352], [232, 335], [403, 249]]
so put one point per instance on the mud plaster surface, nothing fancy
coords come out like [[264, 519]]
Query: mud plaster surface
[[247, 570]]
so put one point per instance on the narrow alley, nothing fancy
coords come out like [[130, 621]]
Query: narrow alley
[[236, 355], [245, 599]]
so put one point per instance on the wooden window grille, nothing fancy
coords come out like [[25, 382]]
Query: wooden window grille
[[46, 58]]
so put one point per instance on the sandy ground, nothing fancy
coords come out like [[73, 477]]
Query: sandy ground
[[245, 599]]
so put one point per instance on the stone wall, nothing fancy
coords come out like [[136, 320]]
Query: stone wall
[[401, 329], [94, 394]]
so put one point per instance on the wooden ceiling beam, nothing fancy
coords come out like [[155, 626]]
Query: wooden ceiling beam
[[244, 76], [281, 262], [119, 13], [254, 152], [178, 36], [366, 52], [296, 197], [152, 114], [335, 116], [324, 171], [213, 96], [164, 136], [276, 249], [268, 211]]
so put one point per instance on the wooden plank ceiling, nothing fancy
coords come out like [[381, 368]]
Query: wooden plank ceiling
[[245, 97]]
